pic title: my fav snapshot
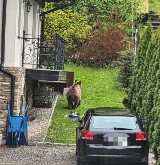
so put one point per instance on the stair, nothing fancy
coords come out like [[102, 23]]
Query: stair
[[154, 19]]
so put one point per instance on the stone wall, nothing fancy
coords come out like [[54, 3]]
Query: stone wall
[[5, 93], [19, 88]]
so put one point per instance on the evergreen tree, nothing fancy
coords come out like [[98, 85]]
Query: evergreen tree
[[135, 87], [126, 66]]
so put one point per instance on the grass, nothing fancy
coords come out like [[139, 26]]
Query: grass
[[99, 88], [154, 6]]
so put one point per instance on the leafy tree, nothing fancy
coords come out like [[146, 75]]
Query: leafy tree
[[70, 24], [76, 22], [117, 10]]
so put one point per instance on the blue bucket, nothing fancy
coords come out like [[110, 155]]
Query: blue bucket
[[17, 129]]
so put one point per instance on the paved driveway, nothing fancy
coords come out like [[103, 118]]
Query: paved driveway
[[42, 155], [38, 155]]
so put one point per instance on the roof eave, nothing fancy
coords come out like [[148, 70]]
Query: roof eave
[[41, 3]]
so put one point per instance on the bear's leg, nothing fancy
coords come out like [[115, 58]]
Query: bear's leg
[[70, 102], [79, 103], [76, 102], [69, 105]]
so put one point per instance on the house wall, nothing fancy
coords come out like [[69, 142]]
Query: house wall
[[5, 94], [17, 21], [1, 6], [5, 91], [21, 20], [12, 56]]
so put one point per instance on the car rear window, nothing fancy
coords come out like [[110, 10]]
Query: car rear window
[[109, 122]]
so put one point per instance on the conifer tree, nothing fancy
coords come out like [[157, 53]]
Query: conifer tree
[[138, 67], [151, 72]]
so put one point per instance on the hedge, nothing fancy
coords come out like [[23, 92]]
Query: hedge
[[144, 91]]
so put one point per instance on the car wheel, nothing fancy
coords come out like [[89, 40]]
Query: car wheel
[[145, 163], [76, 151], [80, 162]]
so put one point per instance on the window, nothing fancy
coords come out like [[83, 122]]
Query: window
[[110, 122]]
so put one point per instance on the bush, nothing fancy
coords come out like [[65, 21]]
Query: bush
[[102, 47], [126, 68], [69, 24], [144, 95]]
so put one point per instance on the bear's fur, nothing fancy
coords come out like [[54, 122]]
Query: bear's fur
[[74, 95]]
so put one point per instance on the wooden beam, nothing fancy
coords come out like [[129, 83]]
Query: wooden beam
[[46, 75]]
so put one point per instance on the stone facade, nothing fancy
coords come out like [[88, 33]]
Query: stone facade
[[19, 92], [5, 94], [5, 91]]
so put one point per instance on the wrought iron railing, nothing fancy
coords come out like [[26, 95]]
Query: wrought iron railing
[[47, 54], [30, 53]]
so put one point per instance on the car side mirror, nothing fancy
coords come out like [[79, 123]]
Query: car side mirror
[[81, 127], [80, 121]]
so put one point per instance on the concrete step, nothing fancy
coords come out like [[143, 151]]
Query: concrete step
[[155, 23], [154, 17]]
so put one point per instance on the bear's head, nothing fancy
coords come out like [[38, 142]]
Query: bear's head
[[78, 83]]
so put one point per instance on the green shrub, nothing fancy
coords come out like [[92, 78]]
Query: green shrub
[[126, 67], [144, 92], [102, 47], [70, 24]]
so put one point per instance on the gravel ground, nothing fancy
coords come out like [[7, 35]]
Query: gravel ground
[[38, 152], [38, 155]]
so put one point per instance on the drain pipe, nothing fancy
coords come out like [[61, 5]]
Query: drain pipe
[[3, 56]]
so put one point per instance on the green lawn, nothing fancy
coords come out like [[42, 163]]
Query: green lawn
[[99, 88]]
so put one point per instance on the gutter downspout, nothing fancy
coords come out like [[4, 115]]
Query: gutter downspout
[[3, 56]]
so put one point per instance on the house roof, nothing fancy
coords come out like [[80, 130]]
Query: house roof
[[52, 0], [41, 3]]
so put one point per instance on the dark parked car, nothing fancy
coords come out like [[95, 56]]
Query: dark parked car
[[111, 136]]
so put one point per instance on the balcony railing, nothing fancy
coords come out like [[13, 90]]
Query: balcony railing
[[48, 54]]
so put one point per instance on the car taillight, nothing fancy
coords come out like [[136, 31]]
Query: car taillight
[[87, 135], [140, 136]]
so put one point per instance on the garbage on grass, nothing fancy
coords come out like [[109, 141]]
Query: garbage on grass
[[75, 116]]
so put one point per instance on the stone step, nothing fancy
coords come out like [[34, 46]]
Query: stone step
[[154, 17], [155, 24], [155, 27]]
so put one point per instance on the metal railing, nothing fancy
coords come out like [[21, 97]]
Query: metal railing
[[47, 54]]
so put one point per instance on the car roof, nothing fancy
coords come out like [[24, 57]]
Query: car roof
[[110, 111]]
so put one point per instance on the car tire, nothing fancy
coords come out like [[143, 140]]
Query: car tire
[[79, 161], [76, 151], [145, 163]]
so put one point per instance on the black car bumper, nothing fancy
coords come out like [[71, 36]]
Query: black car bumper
[[115, 159], [116, 155]]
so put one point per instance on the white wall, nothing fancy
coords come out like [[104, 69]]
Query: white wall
[[12, 15], [32, 29], [1, 6], [19, 20]]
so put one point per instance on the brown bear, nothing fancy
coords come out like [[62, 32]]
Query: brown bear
[[74, 95]]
